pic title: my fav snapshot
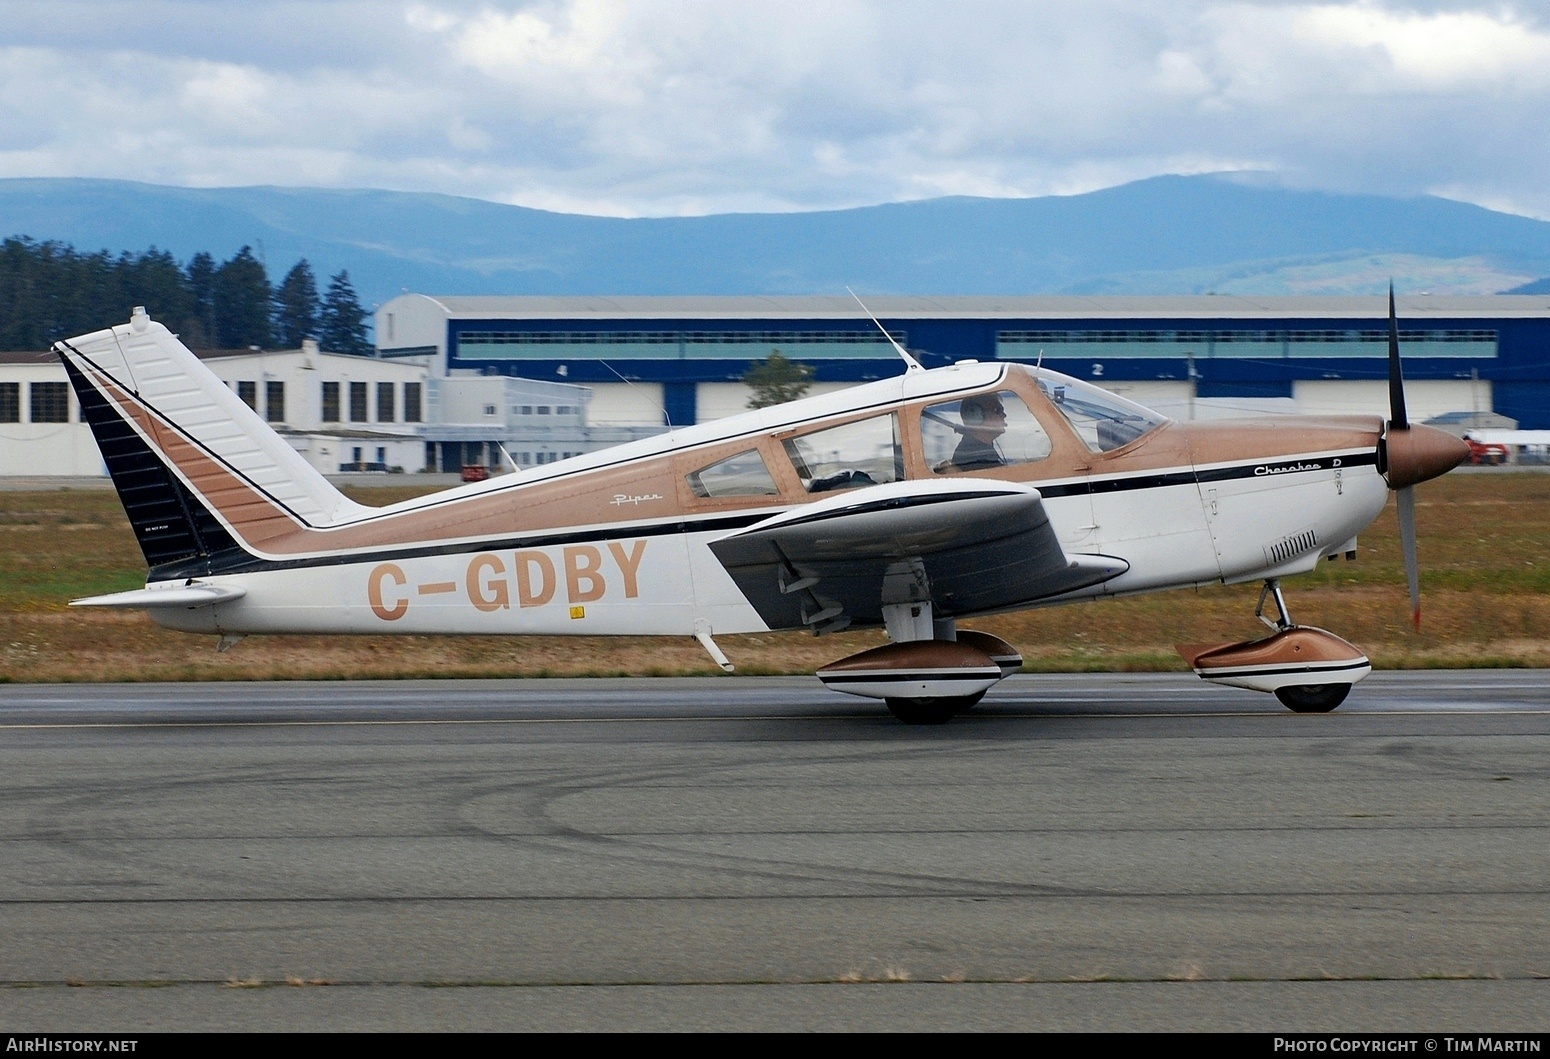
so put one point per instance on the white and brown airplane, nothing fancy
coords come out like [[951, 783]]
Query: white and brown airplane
[[912, 503]]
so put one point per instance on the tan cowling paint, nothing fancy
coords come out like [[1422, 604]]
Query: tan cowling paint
[[1237, 440]]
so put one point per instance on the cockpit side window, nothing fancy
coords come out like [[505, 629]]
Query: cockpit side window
[[866, 452], [1104, 421], [981, 431], [744, 474]]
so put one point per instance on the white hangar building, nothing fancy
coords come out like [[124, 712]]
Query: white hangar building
[[343, 413]]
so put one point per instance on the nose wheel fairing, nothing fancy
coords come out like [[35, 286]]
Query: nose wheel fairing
[[1309, 669], [1301, 656]]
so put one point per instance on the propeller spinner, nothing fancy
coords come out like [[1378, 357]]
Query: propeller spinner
[[1414, 454]]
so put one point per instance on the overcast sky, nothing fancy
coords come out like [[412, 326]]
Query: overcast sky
[[635, 107]]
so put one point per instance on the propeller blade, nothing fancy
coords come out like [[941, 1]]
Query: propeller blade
[[1397, 418], [1406, 501]]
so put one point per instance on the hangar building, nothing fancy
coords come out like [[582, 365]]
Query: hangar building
[[650, 360], [342, 413]]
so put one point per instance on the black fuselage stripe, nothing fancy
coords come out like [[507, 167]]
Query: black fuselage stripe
[[1258, 469], [244, 563]]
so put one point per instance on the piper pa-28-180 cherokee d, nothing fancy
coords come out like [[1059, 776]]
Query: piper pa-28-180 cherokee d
[[911, 503]]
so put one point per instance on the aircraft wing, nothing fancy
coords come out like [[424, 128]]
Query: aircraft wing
[[967, 546]]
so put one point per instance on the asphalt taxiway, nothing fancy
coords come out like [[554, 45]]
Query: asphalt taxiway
[[1077, 852]]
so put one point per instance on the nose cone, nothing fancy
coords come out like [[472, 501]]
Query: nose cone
[[1420, 453]]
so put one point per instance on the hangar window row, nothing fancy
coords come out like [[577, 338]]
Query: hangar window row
[[673, 345], [1018, 345], [1245, 336], [552, 338], [360, 402]]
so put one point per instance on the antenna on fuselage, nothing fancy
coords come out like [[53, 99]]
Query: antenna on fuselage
[[910, 363], [660, 407]]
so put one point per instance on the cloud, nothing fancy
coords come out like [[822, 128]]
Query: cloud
[[682, 106], [1437, 51]]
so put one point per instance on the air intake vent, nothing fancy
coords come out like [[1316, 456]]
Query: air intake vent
[[1288, 548]]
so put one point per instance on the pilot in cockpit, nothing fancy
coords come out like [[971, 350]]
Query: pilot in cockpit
[[984, 421]]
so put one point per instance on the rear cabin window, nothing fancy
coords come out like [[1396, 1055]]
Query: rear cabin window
[[852, 456], [981, 431], [742, 475]]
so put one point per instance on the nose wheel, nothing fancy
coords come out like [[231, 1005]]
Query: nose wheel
[[931, 711], [1312, 698]]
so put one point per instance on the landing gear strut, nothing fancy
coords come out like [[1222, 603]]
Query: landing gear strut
[[1283, 619]]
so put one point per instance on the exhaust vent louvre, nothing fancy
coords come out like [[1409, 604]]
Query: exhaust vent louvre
[[1288, 548]]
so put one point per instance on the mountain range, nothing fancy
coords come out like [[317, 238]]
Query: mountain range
[[1165, 235]]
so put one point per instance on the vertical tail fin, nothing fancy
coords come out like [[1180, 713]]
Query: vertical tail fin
[[173, 436]]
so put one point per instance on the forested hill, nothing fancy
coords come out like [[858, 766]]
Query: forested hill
[[1163, 235], [50, 291]]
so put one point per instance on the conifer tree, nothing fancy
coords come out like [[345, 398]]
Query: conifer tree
[[342, 323], [26, 282], [199, 333], [154, 280], [296, 307], [242, 300]]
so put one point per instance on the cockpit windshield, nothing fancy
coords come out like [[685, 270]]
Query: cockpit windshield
[[1103, 420]]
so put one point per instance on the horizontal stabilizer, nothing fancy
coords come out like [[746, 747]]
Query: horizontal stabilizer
[[185, 597]]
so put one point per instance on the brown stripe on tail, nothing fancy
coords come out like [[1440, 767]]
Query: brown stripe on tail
[[184, 505]]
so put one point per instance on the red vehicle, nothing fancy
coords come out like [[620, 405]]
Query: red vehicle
[[473, 472], [1488, 454]]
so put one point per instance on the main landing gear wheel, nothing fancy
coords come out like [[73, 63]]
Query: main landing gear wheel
[[931, 711], [1312, 698]]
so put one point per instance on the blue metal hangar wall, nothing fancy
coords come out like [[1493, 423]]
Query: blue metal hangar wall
[[684, 356]]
